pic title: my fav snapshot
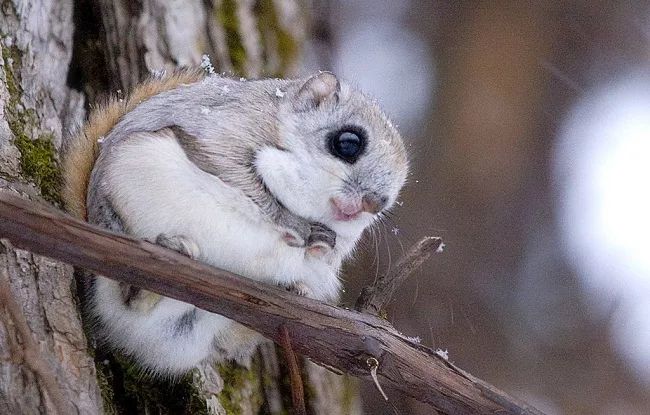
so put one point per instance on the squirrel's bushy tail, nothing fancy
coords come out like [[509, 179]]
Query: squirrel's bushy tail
[[82, 149]]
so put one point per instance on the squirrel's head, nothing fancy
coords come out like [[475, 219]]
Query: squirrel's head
[[339, 160]]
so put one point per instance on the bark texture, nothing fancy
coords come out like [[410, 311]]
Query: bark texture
[[58, 55], [36, 108]]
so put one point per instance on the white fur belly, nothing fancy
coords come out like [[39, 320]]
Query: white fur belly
[[158, 190]]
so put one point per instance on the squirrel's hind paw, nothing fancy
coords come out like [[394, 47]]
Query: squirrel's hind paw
[[179, 243], [138, 299], [298, 288], [142, 300]]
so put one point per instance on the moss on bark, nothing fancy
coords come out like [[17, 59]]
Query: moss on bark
[[38, 155], [126, 389], [226, 14], [287, 46], [242, 386]]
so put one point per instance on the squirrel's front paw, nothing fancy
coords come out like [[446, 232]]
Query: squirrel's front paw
[[316, 237], [295, 230], [322, 240], [299, 288]]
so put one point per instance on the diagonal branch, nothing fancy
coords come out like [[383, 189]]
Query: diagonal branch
[[327, 334], [374, 298]]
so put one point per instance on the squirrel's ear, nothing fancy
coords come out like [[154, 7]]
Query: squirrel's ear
[[316, 90]]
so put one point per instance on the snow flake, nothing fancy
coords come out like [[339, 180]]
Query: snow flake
[[207, 65], [158, 73], [415, 339], [443, 353]]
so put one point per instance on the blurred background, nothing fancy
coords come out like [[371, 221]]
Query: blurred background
[[528, 125]]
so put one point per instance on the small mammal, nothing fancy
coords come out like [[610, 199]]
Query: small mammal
[[271, 179]]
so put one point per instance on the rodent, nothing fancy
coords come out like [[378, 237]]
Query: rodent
[[271, 179]]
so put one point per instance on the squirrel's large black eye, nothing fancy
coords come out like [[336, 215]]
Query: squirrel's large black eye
[[347, 144]]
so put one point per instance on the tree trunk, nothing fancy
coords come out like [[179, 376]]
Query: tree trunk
[[51, 50], [36, 107]]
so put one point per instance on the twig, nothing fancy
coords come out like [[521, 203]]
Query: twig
[[31, 354], [373, 364], [373, 299], [297, 389], [326, 334]]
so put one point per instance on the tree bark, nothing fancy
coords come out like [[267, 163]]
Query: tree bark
[[51, 50]]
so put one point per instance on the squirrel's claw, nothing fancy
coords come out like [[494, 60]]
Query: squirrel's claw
[[298, 288]]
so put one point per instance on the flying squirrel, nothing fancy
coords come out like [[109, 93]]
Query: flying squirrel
[[271, 179]]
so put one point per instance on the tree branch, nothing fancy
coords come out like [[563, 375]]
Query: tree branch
[[327, 334], [295, 378], [373, 299]]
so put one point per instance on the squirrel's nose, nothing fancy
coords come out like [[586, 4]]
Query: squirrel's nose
[[373, 202]]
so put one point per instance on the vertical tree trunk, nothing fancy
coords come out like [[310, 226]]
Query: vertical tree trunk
[[51, 49], [36, 108]]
